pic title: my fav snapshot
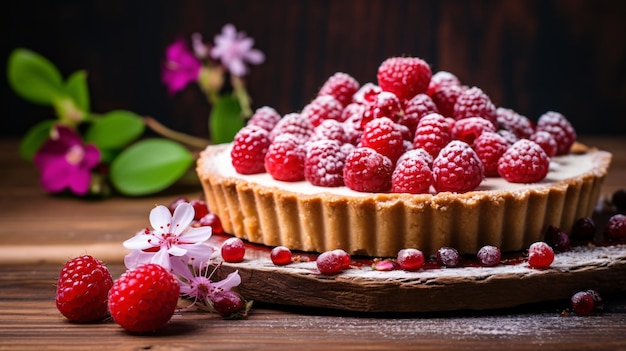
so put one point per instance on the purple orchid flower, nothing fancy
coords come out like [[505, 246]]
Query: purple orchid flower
[[180, 68], [65, 162], [233, 49]]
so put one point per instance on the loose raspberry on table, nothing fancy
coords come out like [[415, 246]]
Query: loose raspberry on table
[[433, 132], [474, 102], [385, 104], [412, 173], [546, 141], [342, 86], [265, 117], [560, 128], [524, 162], [404, 76], [509, 119], [249, 148], [445, 98], [470, 128], [440, 79], [489, 147], [285, 157], [416, 108], [83, 288], [382, 135], [324, 163], [323, 107], [144, 299], [457, 168], [293, 123], [367, 171]]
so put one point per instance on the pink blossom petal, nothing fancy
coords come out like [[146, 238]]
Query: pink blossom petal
[[198, 253], [140, 241], [162, 258], [231, 281], [160, 219], [181, 269], [79, 180], [177, 250], [136, 258], [55, 175], [183, 215], [196, 235], [91, 157]]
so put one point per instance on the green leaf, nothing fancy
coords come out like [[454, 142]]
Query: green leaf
[[149, 166], [34, 138], [76, 87], [225, 119], [115, 129], [34, 78]]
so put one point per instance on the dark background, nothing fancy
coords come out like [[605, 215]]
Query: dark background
[[531, 56]]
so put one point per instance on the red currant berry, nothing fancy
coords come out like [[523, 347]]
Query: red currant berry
[[200, 207], [557, 239], [329, 263], [448, 257], [410, 259], [585, 303], [615, 229], [280, 255], [345, 258], [213, 221], [540, 255], [489, 256], [584, 228], [233, 250]]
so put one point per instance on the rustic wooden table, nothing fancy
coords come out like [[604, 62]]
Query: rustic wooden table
[[40, 232]]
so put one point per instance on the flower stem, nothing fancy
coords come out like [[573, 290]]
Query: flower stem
[[187, 139], [239, 88]]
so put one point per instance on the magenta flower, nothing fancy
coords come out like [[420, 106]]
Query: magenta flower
[[180, 68], [171, 237], [65, 162], [233, 49]]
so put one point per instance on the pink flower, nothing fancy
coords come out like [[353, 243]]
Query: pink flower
[[180, 68], [234, 49], [65, 162], [171, 237]]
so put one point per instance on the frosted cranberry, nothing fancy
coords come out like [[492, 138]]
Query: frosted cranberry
[[616, 228], [584, 229], [200, 209], [619, 199], [557, 239], [233, 250], [448, 256], [280, 255], [329, 262], [213, 221], [488, 256], [410, 259], [540, 255], [585, 303], [345, 258]]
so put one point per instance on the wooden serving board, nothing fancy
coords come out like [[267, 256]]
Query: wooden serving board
[[470, 287]]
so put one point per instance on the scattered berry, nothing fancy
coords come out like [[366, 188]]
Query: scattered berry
[[489, 256], [329, 262], [144, 299], [584, 229], [233, 250], [346, 260], [473, 102], [585, 303], [367, 171], [265, 117], [410, 259], [615, 229], [177, 201], [457, 168], [249, 148], [404, 76], [280, 255], [285, 158], [342, 86], [448, 257], [82, 289], [619, 199], [557, 239], [560, 128], [324, 163], [200, 209], [540, 255], [213, 221], [228, 304], [524, 162]]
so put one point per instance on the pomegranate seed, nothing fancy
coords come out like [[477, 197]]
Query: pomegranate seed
[[540, 255], [448, 256], [329, 262], [211, 220], [489, 256], [280, 255], [200, 208], [410, 259], [233, 250]]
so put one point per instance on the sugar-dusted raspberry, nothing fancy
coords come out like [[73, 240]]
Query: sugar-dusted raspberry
[[329, 129], [546, 141], [419, 152], [249, 148], [416, 108], [265, 117], [445, 98], [509, 136], [293, 123], [433, 132], [470, 128], [367, 171], [366, 94], [340, 85], [440, 79], [324, 163], [474, 102], [412, 173], [514, 122], [353, 128], [285, 157], [385, 104], [489, 147], [615, 229], [560, 128], [382, 135], [457, 168], [524, 162], [404, 76], [321, 108]]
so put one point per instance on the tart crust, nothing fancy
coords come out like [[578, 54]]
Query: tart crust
[[380, 224]]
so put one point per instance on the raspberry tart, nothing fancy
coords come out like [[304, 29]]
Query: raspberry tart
[[400, 167]]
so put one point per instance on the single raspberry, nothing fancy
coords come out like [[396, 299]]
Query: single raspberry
[[82, 289], [412, 173], [474, 102], [560, 128], [445, 98], [410, 259], [329, 129], [385, 104], [457, 168], [512, 121], [293, 123], [540, 255], [546, 141], [615, 229], [284, 159], [321, 108], [366, 94], [524, 162], [404, 76], [382, 135], [433, 132], [249, 148], [489, 147], [470, 128], [440, 79], [367, 170], [509, 136], [144, 299], [419, 152], [265, 117], [340, 85], [324, 163], [416, 108]]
